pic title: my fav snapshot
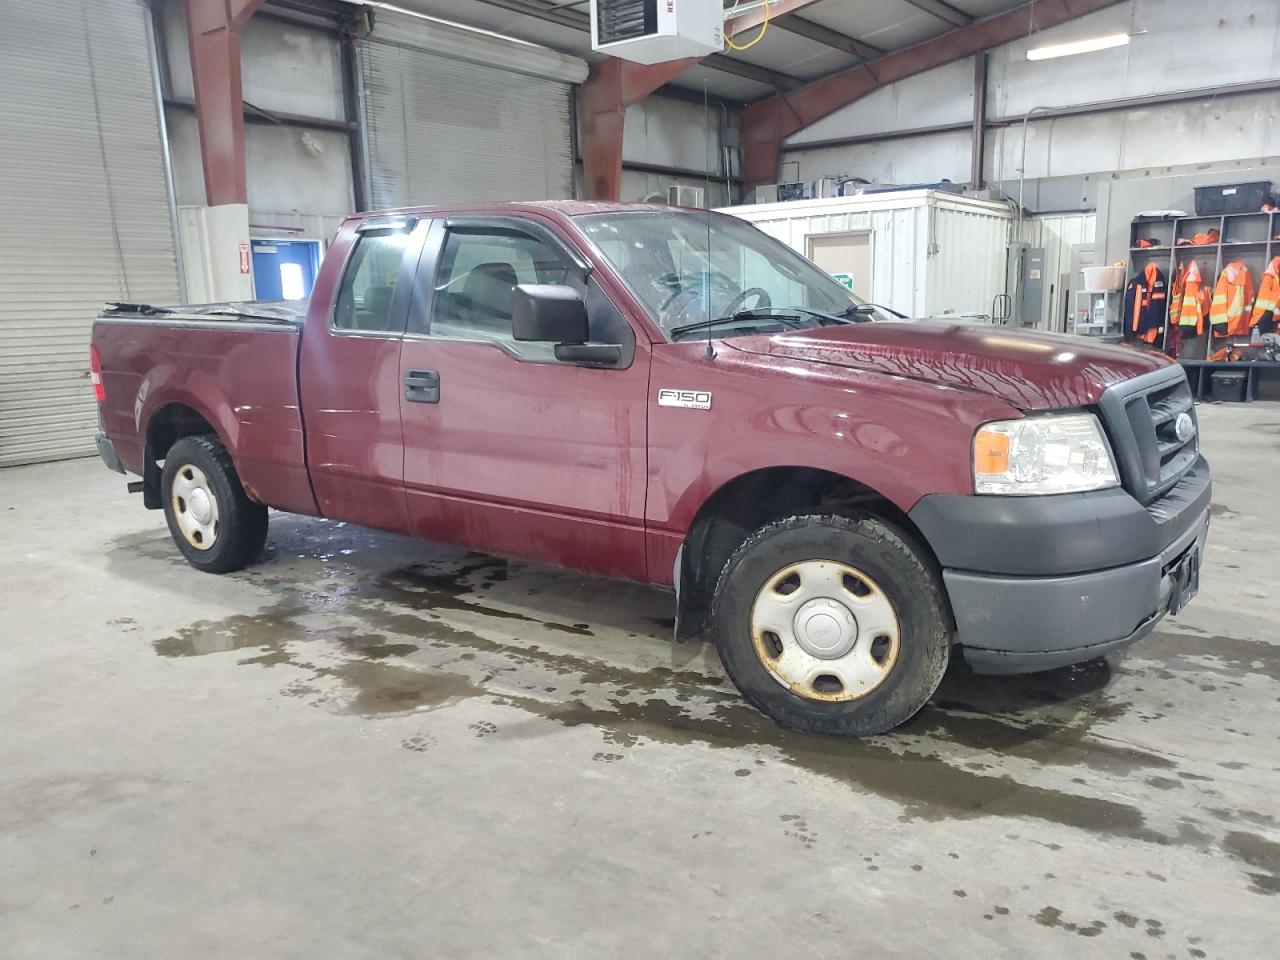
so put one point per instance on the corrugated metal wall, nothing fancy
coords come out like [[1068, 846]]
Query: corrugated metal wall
[[931, 254], [447, 124], [85, 213]]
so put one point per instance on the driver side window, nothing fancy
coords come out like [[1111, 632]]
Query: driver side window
[[476, 280]]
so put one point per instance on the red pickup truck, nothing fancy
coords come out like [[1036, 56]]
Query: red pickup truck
[[675, 398]]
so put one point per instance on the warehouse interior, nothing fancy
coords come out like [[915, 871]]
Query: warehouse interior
[[368, 744]]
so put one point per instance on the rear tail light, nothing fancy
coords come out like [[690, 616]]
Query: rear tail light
[[95, 374]]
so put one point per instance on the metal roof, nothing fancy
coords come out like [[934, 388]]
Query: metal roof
[[820, 38]]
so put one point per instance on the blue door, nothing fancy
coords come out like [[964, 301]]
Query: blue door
[[285, 269]]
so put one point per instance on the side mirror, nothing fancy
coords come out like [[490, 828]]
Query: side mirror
[[551, 313], [547, 312]]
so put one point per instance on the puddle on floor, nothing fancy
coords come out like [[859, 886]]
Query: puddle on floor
[[392, 642]]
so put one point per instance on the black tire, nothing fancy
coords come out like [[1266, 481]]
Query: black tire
[[241, 524], [907, 577]]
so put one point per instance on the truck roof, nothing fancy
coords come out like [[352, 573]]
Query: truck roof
[[563, 208]]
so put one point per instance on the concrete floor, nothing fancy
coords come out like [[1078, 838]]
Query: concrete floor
[[366, 746]]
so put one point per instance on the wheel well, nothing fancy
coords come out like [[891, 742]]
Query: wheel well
[[169, 425], [747, 503]]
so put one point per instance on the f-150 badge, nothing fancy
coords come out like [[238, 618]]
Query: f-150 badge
[[693, 399]]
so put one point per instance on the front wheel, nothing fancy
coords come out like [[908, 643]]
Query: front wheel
[[215, 525], [832, 624]]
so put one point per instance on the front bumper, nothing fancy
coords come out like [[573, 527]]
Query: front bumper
[[1042, 582]]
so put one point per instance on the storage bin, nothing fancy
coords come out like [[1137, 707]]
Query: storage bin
[[1228, 385], [1103, 278], [1231, 198]]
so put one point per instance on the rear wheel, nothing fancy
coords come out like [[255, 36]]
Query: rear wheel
[[832, 624], [211, 519]]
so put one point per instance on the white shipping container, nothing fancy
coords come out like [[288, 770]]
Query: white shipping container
[[931, 253]]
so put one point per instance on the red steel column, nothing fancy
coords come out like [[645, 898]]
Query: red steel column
[[213, 35], [611, 87]]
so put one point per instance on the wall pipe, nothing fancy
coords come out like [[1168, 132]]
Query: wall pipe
[[166, 156], [1022, 165]]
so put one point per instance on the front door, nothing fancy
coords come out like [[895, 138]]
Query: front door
[[507, 449]]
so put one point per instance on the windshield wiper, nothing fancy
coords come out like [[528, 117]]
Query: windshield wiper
[[868, 309], [789, 317]]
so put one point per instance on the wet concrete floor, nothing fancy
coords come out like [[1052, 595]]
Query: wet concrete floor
[[366, 746]]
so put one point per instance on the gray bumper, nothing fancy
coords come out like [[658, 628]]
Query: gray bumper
[[107, 451], [1041, 582], [1023, 624]]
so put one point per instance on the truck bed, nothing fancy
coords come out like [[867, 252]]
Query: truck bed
[[234, 364], [292, 312]]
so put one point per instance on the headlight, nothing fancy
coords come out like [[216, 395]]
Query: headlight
[[1045, 454]]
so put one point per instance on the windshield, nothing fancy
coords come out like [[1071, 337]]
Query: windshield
[[754, 283]]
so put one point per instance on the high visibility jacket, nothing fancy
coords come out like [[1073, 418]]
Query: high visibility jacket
[[1145, 299], [1189, 300], [1200, 239], [1265, 306], [1232, 301]]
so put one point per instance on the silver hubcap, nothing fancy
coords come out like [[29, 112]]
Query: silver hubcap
[[825, 630], [195, 507]]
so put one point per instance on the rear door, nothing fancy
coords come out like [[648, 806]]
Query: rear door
[[350, 374], [507, 449]]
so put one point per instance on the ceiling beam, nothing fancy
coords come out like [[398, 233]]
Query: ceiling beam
[[943, 11], [820, 34], [773, 12], [769, 121], [749, 71], [782, 15]]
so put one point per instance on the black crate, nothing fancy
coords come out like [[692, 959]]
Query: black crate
[[1231, 198], [1228, 385]]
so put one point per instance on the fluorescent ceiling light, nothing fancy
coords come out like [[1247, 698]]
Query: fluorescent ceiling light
[[1078, 46]]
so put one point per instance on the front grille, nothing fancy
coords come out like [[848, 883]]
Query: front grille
[[1141, 417], [625, 19]]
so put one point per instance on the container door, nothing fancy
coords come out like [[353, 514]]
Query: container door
[[847, 257]]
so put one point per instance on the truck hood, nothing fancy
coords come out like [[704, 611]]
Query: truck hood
[[1032, 371]]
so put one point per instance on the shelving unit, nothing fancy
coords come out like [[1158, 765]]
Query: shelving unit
[[1088, 304], [1247, 237]]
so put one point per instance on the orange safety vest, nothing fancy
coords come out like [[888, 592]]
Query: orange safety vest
[[1264, 308], [1190, 303], [1232, 301]]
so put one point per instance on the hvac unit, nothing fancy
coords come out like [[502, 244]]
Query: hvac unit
[[767, 193], [681, 196], [655, 31], [824, 187], [792, 191]]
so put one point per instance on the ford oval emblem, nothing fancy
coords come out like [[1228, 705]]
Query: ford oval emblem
[[1184, 428]]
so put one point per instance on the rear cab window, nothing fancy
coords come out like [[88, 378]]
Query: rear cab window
[[364, 301]]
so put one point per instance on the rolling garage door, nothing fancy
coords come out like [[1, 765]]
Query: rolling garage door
[[456, 115], [85, 212]]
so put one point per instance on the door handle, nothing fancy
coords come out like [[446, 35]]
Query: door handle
[[422, 386]]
